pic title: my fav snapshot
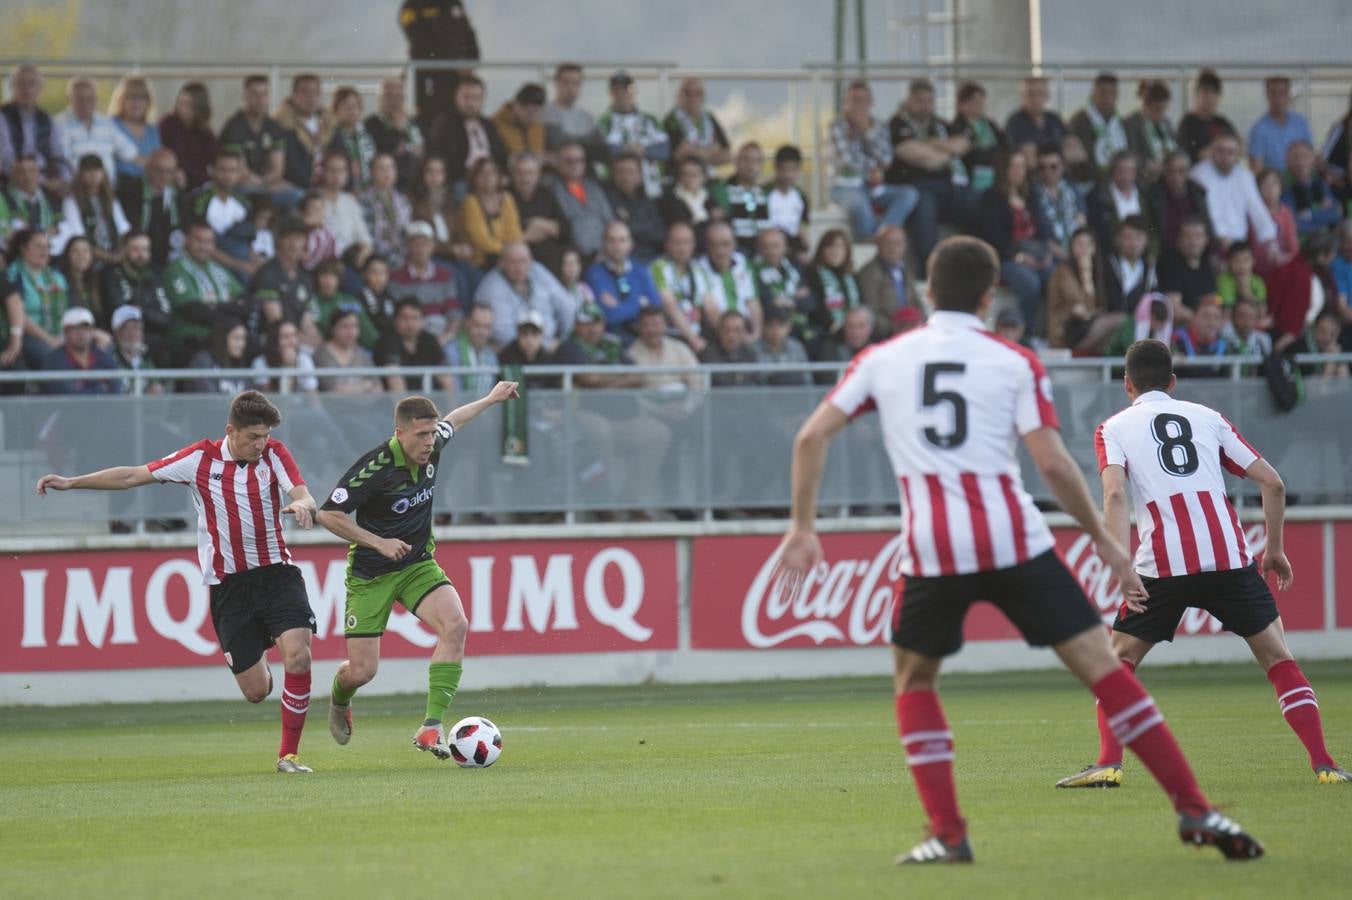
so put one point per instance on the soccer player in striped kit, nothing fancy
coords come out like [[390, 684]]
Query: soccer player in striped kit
[[257, 597], [954, 400], [1168, 454]]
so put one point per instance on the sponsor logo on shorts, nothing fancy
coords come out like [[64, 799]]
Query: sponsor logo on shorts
[[351, 622], [339, 495], [404, 504], [229, 660]]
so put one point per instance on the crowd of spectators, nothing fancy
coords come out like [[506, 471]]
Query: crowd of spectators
[[306, 234]]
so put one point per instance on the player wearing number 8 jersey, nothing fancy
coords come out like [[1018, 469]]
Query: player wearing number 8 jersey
[[1168, 455], [954, 401]]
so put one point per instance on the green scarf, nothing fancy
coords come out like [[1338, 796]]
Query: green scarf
[[839, 295], [515, 429]]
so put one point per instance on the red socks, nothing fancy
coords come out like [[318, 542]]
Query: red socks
[[1300, 709], [1136, 722], [1110, 748], [295, 704], [929, 755]]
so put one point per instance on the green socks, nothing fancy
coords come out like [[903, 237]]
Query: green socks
[[443, 678], [340, 695]]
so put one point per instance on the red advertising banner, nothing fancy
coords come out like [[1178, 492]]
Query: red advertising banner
[[1342, 582], [738, 600], [148, 608]]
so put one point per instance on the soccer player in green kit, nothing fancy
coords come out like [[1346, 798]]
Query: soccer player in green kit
[[391, 558]]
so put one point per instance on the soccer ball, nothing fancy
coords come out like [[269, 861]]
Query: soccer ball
[[475, 743]]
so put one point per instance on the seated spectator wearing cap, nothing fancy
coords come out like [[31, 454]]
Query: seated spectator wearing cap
[[1185, 272], [133, 281], [342, 350], [201, 291], [26, 130], [777, 346], [78, 353], [655, 348], [591, 345], [884, 282], [582, 199], [694, 131], [1278, 128], [1203, 123], [129, 350], [258, 138], [394, 131], [689, 200], [282, 288], [519, 121], [527, 348], [518, 285], [1098, 127], [461, 136], [386, 210], [85, 131], [1129, 273], [634, 207], [43, 290], [1173, 199], [565, 119], [622, 286], [25, 203], [428, 281], [329, 300], [1309, 196], [410, 343], [788, 208], [543, 225], [860, 154], [220, 204], [624, 127], [1033, 126], [91, 211], [1149, 134]]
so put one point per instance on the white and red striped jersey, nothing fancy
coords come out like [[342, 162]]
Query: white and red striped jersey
[[239, 522], [1173, 452], [954, 400]]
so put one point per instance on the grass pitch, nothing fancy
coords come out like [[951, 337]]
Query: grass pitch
[[782, 789]]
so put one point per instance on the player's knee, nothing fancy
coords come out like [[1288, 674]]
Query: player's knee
[[256, 694], [297, 660], [455, 627], [359, 673]]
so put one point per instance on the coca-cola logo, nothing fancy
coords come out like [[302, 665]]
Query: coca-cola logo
[[847, 601]]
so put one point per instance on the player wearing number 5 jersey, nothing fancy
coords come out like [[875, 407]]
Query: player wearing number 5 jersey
[[1168, 455], [954, 400]]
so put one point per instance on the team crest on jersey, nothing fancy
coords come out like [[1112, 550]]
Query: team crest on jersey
[[263, 474], [339, 495], [1045, 386], [431, 470]]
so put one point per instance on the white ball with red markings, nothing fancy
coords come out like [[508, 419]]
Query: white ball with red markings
[[475, 742]]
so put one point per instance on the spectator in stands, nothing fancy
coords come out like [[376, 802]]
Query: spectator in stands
[[282, 289], [634, 207], [341, 350], [430, 282], [433, 204], [309, 128], [543, 226], [1057, 206], [26, 130], [220, 204], [789, 210], [1283, 266], [282, 349], [1238, 281], [43, 290], [134, 281], [1185, 273], [1321, 251], [394, 131], [528, 349], [582, 199], [77, 264], [984, 138], [84, 130], [410, 342], [1130, 273], [518, 121], [1202, 337], [861, 153], [129, 350], [732, 284], [683, 285], [437, 31], [261, 214], [621, 284], [187, 131], [731, 346], [488, 218], [90, 210], [927, 157], [342, 213], [777, 346], [25, 203], [1337, 154], [1115, 198], [1204, 124], [320, 244], [743, 199], [386, 210], [226, 355], [1009, 325], [261, 143], [855, 334], [1242, 331], [11, 334], [779, 281], [1341, 265], [1277, 128], [1009, 225], [1149, 134], [1153, 318], [689, 201], [1098, 126], [375, 295], [132, 110], [1323, 338], [78, 352], [201, 292], [351, 138], [1077, 317], [624, 127], [1307, 194], [1172, 200], [835, 291], [564, 120], [153, 205], [1033, 126], [570, 276], [519, 285], [462, 136], [884, 282], [692, 130], [655, 347], [470, 348], [329, 300]]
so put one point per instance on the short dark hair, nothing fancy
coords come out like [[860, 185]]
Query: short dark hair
[[1276, 79], [290, 224], [689, 159], [1190, 221], [565, 67], [1050, 150], [1153, 90], [332, 267], [1237, 248], [1134, 222], [198, 224], [404, 303], [625, 156], [644, 311], [1208, 80], [1105, 78], [1150, 365], [969, 89], [251, 408], [788, 153], [531, 94], [961, 270], [859, 84], [255, 78], [303, 78], [920, 86], [229, 152], [411, 409], [472, 80], [372, 259], [132, 235], [338, 316]]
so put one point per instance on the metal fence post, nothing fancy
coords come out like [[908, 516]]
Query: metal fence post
[[275, 82], [569, 399], [815, 142], [707, 445]]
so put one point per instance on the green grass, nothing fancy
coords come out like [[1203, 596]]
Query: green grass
[[780, 789]]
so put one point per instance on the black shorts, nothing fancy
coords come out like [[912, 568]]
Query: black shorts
[[1239, 598], [251, 609], [1040, 597]]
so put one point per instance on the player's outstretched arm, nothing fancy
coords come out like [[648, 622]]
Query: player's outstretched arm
[[118, 478], [1273, 490], [802, 549], [463, 415], [341, 524]]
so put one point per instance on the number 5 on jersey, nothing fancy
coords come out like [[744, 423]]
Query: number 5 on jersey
[[932, 396]]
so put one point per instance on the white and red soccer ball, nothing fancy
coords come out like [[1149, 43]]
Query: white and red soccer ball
[[475, 742]]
